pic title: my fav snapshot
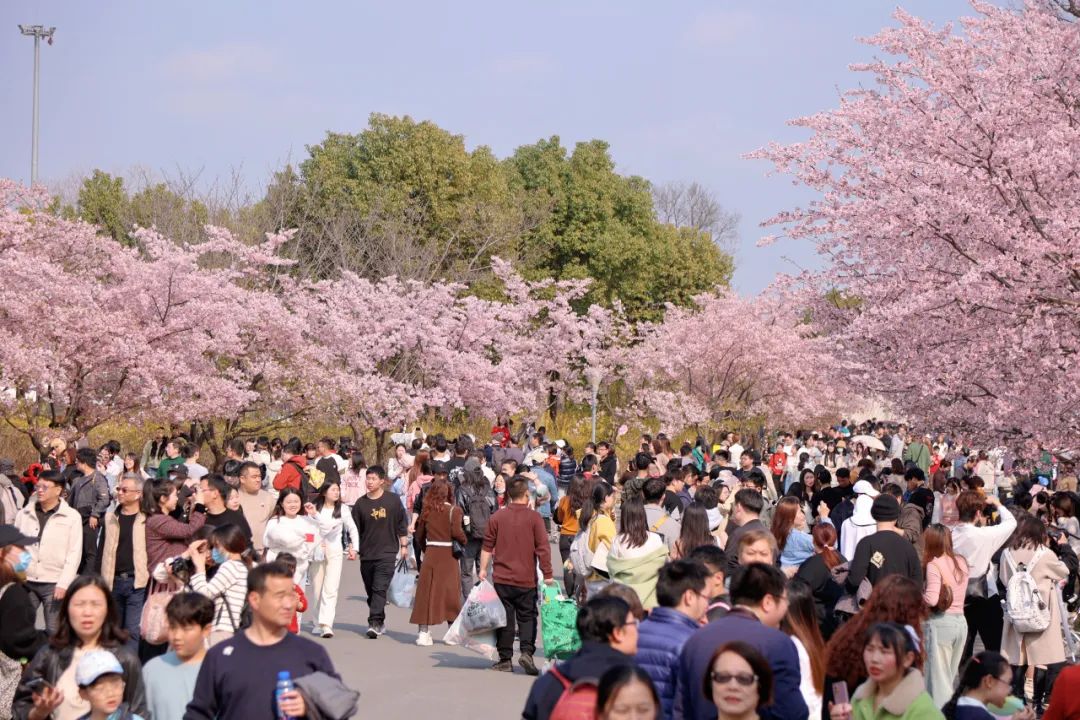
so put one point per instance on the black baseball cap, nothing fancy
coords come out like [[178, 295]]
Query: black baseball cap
[[10, 535]]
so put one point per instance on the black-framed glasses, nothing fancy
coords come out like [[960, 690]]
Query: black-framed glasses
[[744, 679]]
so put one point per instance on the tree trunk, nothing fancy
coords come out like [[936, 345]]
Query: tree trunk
[[380, 445]]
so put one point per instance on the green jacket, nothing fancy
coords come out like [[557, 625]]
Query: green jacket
[[909, 701], [918, 453], [640, 573]]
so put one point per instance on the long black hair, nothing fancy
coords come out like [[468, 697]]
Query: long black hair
[[618, 677], [594, 504], [985, 664], [320, 499], [113, 633], [279, 510], [633, 523]]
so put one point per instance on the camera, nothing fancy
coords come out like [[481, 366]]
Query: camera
[[182, 568]]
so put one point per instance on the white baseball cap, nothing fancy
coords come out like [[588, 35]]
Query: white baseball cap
[[94, 664]]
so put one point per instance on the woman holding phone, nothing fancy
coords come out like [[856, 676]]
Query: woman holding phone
[[88, 621]]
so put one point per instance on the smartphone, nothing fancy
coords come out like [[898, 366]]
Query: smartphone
[[839, 693], [38, 685]]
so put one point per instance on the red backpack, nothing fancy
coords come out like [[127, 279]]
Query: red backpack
[[578, 699]]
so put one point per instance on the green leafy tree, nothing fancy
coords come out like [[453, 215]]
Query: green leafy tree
[[104, 202], [603, 226]]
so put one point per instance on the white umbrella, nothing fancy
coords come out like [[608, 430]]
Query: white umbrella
[[867, 441]]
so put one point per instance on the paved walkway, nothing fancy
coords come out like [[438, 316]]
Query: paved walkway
[[397, 679]]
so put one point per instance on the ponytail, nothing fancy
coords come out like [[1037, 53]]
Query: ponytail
[[985, 664]]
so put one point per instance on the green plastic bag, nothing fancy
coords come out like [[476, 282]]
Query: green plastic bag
[[558, 624]]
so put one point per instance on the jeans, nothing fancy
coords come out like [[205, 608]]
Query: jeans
[[985, 617], [470, 565], [945, 638], [520, 606], [41, 593], [129, 604], [325, 581], [376, 575]]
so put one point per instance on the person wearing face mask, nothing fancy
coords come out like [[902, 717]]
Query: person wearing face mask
[[231, 554], [19, 639]]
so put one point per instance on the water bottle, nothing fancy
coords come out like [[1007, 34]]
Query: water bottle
[[284, 685]]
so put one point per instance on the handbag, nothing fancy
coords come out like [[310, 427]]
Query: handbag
[[977, 588], [456, 548], [154, 624]]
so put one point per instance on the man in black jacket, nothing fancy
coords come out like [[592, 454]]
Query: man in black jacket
[[89, 496], [887, 551], [608, 639]]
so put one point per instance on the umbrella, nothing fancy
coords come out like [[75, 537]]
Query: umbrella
[[867, 441]]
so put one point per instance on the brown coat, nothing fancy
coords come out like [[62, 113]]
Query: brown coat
[[1048, 646], [111, 541], [438, 593]]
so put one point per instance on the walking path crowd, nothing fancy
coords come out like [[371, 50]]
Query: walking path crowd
[[835, 574]]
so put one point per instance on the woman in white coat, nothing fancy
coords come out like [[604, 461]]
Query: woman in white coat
[[333, 518], [289, 530]]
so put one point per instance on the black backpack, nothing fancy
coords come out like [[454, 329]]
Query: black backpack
[[478, 507]]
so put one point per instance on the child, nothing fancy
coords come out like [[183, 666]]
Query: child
[[289, 561], [101, 683], [895, 688], [984, 684], [170, 678]]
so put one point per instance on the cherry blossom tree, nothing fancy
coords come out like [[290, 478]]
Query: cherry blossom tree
[[948, 212], [94, 331], [730, 359], [380, 353]]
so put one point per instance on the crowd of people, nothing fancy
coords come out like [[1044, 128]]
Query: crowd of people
[[847, 573]]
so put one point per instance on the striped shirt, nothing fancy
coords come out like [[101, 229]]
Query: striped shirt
[[228, 586]]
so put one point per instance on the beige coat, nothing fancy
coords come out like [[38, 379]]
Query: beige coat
[[138, 549], [56, 558], [257, 509], [1048, 646]]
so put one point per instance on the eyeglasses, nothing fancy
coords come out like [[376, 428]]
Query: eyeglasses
[[744, 679], [635, 622]]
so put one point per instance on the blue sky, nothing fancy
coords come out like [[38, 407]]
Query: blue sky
[[681, 90]]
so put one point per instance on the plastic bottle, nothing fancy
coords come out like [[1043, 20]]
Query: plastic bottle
[[284, 685]]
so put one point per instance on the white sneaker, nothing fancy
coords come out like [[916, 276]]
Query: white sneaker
[[423, 639]]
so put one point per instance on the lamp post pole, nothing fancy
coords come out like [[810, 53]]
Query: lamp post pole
[[594, 376], [37, 32]]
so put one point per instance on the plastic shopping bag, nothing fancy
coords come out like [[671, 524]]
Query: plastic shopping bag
[[402, 590], [482, 643], [558, 624], [483, 610]]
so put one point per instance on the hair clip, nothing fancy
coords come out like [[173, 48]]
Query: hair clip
[[914, 638]]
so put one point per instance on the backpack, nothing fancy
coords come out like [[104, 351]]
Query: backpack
[[1023, 604], [578, 699], [580, 555], [478, 508]]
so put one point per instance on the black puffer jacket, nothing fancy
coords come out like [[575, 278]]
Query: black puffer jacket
[[50, 664]]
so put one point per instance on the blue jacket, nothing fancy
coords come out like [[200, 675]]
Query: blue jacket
[[661, 637], [549, 482], [778, 649]]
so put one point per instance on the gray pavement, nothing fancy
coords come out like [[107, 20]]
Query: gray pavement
[[398, 679]]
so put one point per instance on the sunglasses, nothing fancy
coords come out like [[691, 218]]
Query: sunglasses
[[744, 679]]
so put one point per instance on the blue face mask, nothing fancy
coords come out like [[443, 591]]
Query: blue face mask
[[218, 557], [23, 563]]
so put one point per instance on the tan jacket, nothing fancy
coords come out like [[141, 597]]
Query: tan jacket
[[138, 549], [257, 509], [57, 556], [1041, 648]]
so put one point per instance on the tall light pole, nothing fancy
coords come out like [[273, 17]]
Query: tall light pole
[[38, 32], [595, 376]]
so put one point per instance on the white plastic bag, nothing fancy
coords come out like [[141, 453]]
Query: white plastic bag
[[402, 590], [482, 643], [483, 610]]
